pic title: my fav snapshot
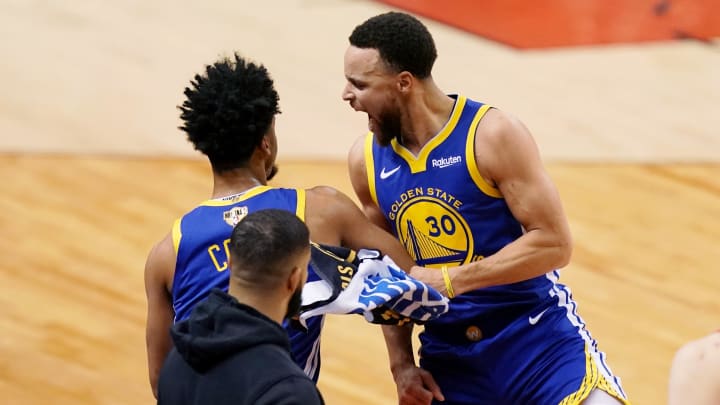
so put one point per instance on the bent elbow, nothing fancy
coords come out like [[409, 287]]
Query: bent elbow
[[564, 251]]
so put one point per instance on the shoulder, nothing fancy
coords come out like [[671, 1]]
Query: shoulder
[[498, 126], [160, 263], [331, 215], [503, 144], [356, 155], [323, 191], [322, 198], [326, 200], [328, 196], [163, 252], [358, 145]]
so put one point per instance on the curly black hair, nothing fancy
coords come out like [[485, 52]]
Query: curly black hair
[[228, 110], [404, 43]]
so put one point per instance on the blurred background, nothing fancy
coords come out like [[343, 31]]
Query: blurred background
[[622, 100]]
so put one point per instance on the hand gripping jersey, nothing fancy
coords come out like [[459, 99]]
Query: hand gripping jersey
[[369, 283], [201, 239]]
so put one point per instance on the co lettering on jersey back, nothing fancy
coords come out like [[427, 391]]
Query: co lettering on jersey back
[[219, 255]]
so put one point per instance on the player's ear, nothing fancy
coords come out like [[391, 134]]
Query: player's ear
[[405, 81], [265, 144], [294, 279]]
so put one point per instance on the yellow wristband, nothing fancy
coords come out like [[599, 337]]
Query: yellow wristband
[[448, 284]]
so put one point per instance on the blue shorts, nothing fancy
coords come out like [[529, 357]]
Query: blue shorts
[[532, 357]]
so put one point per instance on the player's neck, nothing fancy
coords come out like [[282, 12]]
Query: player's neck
[[426, 115], [236, 181]]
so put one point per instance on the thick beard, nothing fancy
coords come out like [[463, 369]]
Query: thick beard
[[293, 307], [388, 129]]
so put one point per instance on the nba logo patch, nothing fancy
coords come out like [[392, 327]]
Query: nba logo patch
[[235, 215]]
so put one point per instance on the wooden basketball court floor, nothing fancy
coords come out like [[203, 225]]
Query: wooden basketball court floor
[[84, 196]]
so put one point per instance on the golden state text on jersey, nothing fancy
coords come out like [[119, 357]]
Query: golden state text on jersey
[[437, 203]]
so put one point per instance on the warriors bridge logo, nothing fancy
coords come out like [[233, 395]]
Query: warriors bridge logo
[[428, 224]]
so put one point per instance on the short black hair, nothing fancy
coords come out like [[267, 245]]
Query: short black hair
[[404, 43], [262, 242], [228, 110]]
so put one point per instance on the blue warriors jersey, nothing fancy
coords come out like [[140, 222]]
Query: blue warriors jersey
[[492, 347], [201, 240], [443, 211]]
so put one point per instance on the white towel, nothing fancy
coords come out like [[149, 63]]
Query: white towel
[[367, 283]]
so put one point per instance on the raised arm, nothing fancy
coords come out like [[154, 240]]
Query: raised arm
[[159, 269], [508, 158]]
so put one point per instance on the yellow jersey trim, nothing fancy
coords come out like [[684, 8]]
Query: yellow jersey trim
[[593, 380], [479, 181], [300, 210], [350, 257], [419, 164], [176, 235], [241, 197], [370, 167]]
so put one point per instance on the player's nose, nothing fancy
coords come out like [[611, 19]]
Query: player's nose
[[347, 94]]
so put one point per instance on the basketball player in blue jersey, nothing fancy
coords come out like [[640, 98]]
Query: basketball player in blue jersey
[[461, 184], [229, 116]]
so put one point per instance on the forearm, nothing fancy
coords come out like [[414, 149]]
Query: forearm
[[369, 235], [531, 255], [398, 340], [158, 344], [392, 248], [156, 358], [154, 378]]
